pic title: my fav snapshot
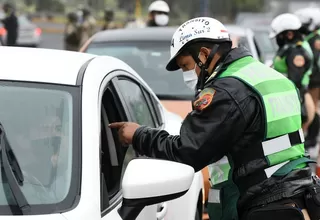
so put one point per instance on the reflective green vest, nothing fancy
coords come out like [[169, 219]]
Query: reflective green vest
[[281, 104], [283, 115], [280, 64]]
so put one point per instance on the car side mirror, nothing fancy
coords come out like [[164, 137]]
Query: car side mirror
[[150, 181]]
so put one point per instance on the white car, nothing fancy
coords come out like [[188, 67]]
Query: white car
[[68, 164]]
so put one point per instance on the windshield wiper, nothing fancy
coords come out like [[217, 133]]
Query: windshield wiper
[[13, 173]]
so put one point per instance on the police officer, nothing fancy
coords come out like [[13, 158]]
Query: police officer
[[294, 59], [108, 21], [309, 20], [223, 194], [158, 14], [243, 110], [72, 33], [10, 23], [87, 26]]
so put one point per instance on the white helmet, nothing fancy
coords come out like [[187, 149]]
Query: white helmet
[[303, 15], [284, 22], [196, 30], [159, 5], [309, 15]]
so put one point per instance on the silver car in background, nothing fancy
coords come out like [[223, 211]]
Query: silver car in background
[[29, 34]]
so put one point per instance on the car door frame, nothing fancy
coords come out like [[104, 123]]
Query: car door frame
[[149, 103], [107, 80], [112, 78]]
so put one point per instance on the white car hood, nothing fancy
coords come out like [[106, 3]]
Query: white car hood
[[172, 122]]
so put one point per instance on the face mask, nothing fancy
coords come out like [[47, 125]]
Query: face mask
[[161, 20], [190, 78]]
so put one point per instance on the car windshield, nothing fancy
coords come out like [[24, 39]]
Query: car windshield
[[265, 44], [23, 20], [149, 60], [39, 123]]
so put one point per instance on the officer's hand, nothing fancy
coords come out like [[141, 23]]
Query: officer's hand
[[126, 131]]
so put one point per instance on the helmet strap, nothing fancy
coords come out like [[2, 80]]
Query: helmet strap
[[204, 66]]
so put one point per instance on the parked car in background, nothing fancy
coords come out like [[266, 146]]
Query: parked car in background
[[60, 158], [29, 34]]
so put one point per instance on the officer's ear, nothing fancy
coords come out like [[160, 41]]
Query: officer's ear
[[204, 53]]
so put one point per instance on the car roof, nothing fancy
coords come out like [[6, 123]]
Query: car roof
[[135, 34], [151, 34], [237, 30], [41, 65]]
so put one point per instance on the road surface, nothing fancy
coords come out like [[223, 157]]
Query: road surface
[[52, 41]]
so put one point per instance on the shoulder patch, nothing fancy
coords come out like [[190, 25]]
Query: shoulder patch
[[317, 44], [299, 61], [204, 99]]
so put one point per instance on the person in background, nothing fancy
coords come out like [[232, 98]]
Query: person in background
[[10, 23], [72, 33], [87, 26], [158, 14], [108, 20], [311, 18], [294, 59]]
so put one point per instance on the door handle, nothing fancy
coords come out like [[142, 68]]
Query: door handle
[[163, 211]]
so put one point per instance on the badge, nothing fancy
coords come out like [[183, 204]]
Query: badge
[[299, 61], [317, 44], [204, 99]]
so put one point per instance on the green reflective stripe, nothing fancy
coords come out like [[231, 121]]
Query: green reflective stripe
[[281, 105], [247, 73], [290, 154], [274, 128], [273, 88]]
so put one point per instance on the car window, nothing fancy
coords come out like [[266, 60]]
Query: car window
[[243, 42], [265, 44], [39, 123], [137, 102], [23, 20], [149, 60], [114, 157]]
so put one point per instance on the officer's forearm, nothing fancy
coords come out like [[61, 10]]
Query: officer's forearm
[[160, 144]]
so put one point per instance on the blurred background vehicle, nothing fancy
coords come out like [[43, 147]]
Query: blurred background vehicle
[[29, 34]]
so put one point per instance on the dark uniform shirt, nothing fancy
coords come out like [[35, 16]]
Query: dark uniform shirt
[[231, 124], [298, 62]]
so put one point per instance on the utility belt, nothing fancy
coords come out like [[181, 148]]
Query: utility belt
[[300, 207]]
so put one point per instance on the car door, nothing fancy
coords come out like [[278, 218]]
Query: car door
[[114, 157], [144, 110]]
